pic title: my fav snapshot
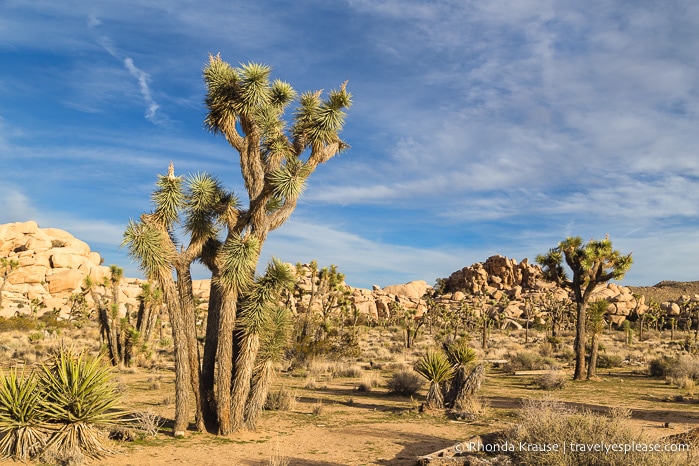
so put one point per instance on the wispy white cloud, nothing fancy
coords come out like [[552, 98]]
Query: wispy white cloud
[[152, 107]]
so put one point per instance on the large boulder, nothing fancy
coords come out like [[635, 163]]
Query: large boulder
[[414, 290]]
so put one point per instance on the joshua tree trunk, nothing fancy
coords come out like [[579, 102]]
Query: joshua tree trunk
[[244, 364], [580, 340], [208, 367], [464, 386], [224, 362], [594, 351], [435, 398], [258, 393], [184, 288], [182, 367]]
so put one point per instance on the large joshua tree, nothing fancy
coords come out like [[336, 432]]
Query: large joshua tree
[[592, 264], [275, 161]]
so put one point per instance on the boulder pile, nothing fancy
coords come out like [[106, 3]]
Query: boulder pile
[[52, 266]]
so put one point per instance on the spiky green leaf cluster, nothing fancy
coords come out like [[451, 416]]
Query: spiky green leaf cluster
[[222, 83], [257, 308], [289, 180], [239, 258], [79, 388], [205, 200], [317, 121], [275, 335], [460, 354], [62, 409], [168, 198], [435, 367], [146, 244], [23, 430]]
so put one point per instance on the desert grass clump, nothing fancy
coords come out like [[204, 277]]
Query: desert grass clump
[[608, 361], [81, 401], [318, 408], [548, 422], [685, 383], [368, 382], [471, 409], [23, 429], [404, 383], [347, 370], [552, 380]]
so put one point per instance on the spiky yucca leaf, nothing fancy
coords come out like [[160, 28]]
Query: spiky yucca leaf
[[80, 399], [289, 180], [147, 245], [23, 432], [460, 354], [222, 82], [281, 94], [254, 87], [274, 338], [435, 367], [205, 198], [169, 197], [256, 308], [239, 258]]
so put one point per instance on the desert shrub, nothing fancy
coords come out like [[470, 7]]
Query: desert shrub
[[18, 322], [281, 400], [684, 382], [313, 339], [552, 380], [547, 422], [566, 355], [529, 361], [471, 409], [607, 361], [405, 383], [676, 367], [546, 349], [147, 423], [57, 243]]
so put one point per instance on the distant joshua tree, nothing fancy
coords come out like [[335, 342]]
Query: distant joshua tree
[[275, 162]]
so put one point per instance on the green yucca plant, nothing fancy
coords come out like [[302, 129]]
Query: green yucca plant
[[460, 354], [436, 368], [80, 400], [23, 431]]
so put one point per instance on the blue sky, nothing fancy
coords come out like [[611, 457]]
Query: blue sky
[[478, 128]]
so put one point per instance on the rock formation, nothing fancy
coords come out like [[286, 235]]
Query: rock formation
[[53, 265]]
